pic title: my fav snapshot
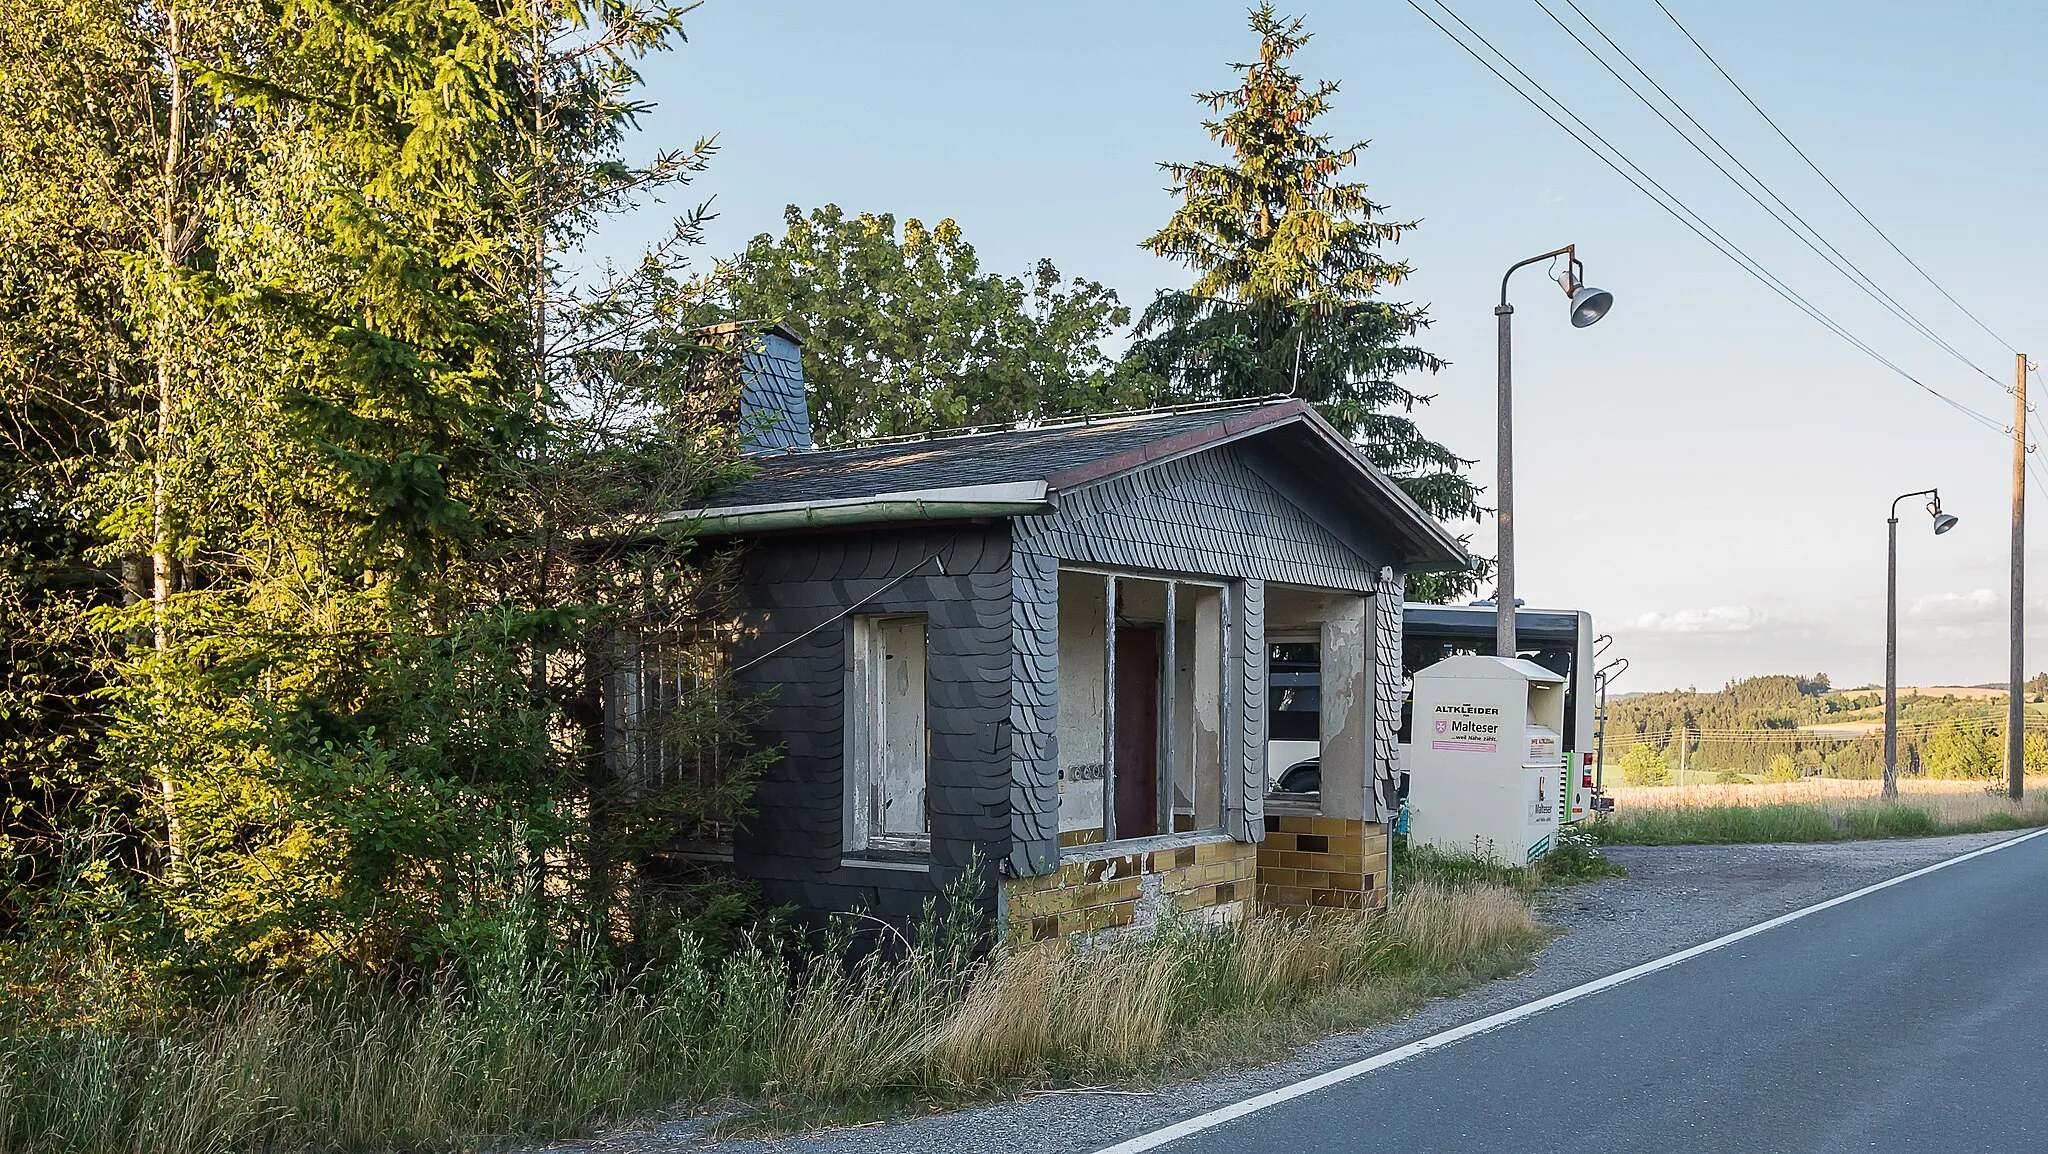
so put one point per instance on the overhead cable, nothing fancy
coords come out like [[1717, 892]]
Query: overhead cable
[[1830, 183], [1676, 207], [1835, 258]]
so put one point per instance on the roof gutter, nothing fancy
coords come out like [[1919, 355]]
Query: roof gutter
[[1020, 499], [723, 524]]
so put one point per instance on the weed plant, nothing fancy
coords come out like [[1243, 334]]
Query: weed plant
[[1574, 857]]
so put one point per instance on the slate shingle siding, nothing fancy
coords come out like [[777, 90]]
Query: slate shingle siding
[[1246, 803], [1386, 684], [793, 584], [1034, 700], [1206, 513]]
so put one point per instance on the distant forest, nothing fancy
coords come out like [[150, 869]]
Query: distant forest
[[1755, 729]]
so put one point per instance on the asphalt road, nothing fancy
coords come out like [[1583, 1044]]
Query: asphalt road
[[1914, 1018]]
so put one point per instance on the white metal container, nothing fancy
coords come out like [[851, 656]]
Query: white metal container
[[1485, 758]]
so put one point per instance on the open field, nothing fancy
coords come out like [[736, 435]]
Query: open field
[[1814, 809]]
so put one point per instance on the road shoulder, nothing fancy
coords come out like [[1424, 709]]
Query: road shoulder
[[1673, 898]]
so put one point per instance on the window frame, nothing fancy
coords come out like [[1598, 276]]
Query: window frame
[[866, 709], [1172, 711]]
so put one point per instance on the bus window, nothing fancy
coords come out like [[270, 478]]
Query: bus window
[[1294, 691]]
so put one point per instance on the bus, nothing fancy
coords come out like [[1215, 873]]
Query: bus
[[1560, 640]]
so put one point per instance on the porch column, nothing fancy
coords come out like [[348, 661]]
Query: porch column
[[1246, 785], [1346, 723]]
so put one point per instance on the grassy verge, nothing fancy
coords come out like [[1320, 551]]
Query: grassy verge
[[550, 1050], [1815, 821]]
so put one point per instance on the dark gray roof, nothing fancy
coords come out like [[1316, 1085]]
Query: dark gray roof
[[1064, 457], [949, 461]]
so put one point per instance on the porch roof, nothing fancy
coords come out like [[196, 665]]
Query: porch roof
[[1013, 472]]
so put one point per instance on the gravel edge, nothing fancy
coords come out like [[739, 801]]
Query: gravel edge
[[1673, 898]]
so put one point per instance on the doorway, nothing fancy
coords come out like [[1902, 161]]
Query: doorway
[[1137, 731]]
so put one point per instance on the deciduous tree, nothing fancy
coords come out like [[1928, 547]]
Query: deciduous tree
[[909, 335]]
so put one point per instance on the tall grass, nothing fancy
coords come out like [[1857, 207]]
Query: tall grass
[[552, 1049], [1813, 810]]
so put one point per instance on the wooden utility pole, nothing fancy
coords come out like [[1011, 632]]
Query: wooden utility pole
[[2015, 719]]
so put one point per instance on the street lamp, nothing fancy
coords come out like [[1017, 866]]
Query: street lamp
[[1943, 522], [1588, 306]]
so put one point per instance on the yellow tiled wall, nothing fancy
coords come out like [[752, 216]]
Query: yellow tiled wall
[[1322, 861], [1211, 880]]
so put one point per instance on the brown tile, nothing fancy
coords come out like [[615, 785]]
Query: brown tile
[[1312, 843]]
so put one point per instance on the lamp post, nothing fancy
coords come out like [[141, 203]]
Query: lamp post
[[1588, 306], [1943, 522]]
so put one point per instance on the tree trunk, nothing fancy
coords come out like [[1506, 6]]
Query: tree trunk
[[172, 255]]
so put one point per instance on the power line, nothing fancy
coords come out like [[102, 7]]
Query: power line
[[1830, 183], [1834, 256], [1681, 212]]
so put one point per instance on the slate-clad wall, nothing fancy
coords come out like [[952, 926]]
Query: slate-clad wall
[[1247, 787], [791, 585], [1386, 684], [1034, 702]]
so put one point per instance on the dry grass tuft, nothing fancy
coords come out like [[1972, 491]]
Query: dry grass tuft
[[551, 1052]]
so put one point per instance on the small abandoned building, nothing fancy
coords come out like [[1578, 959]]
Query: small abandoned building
[[1054, 650]]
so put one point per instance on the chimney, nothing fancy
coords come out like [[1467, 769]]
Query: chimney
[[774, 414]]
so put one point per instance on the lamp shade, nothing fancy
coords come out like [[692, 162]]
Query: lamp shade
[[1589, 305], [1943, 522]]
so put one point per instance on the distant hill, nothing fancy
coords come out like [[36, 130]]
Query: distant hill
[[1794, 722]]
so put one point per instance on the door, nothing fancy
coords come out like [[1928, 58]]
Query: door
[[1137, 731]]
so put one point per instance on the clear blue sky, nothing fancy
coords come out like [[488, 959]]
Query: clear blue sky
[[1707, 470]]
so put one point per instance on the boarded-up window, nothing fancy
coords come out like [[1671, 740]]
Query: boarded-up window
[[886, 738], [669, 721]]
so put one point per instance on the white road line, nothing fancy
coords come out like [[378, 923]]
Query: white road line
[[1288, 1093]]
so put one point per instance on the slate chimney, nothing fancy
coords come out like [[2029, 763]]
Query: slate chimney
[[774, 414]]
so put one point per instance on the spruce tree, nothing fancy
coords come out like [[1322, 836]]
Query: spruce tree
[[1291, 267]]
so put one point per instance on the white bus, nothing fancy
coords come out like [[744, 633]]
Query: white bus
[[1560, 640]]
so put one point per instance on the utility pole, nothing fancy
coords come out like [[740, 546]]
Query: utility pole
[[2015, 719], [1684, 742]]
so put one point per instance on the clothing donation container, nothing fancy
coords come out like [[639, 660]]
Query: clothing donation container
[[1485, 757]]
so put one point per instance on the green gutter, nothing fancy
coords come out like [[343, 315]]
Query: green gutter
[[713, 523]]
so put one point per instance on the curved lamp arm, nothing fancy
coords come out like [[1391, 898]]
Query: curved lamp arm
[[1566, 251], [1934, 493]]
